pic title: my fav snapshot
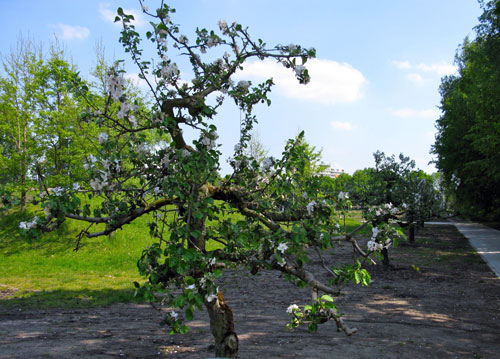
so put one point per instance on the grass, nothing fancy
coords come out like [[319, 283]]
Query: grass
[[48, 273], [103, 267]]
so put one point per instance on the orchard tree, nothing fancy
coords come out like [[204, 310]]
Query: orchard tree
[[283, 217], [412, 194]]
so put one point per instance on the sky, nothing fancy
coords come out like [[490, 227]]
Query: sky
[[375, 81]]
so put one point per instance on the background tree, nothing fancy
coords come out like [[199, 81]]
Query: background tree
[[41, 139], [468, 141]]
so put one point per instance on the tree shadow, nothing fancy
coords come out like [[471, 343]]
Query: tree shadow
[[65, 299]]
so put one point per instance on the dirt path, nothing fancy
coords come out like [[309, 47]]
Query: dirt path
[[445, 306]]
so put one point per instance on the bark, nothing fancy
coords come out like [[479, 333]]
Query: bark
[[386, 261], [222, 327], [411, 234]]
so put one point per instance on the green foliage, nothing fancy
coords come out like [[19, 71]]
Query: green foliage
[[468, 141]]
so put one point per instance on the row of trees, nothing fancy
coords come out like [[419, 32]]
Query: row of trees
[[138, 163], [468, 141], [417, 195]]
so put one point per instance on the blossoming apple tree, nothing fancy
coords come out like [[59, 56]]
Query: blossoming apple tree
[[145, 167]]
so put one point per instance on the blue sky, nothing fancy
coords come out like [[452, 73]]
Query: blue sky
[[374, 84]]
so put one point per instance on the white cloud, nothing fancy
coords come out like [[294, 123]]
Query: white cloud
[[403, 65], [440, 69], [68, 32], [331, 82], [110, 15], [410, 112], [346, 126], [416, 78], [136, 80]]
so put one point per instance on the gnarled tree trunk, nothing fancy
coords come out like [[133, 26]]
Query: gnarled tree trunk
[[222, 327]]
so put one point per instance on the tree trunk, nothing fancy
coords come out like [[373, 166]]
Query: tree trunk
[[385, 261], [222, 327], [411, 234]]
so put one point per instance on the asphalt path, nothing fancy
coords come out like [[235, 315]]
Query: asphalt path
[[484, 239]]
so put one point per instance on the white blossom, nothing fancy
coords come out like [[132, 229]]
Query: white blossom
[[374, 246], [282, 247], [211, 297], [304, 195], [144, 8], [310, 207], [299, 70], [375, 232], [169, 70], [211, 262], [292, 308], [223, 26], [183, 39], [76, 186], [208, 140], [267, 163], [174, 315], [58, 191], [29, 225], [133, 121], [191, 287], [103, 137], [343, 195], [237, 147], [243, 85]]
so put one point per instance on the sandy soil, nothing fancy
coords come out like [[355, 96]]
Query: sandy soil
[[445, 308]]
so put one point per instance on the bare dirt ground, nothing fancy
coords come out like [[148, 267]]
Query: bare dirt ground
[[446, 306]]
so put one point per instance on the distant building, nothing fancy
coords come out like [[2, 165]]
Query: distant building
[[331, 172]]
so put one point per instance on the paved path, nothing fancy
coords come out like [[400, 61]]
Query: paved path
[[485, 240]]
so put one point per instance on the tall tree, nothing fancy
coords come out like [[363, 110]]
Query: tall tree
[[468, 141]]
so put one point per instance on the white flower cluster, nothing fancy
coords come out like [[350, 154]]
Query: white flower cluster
[[223, 27], [267, 163], [242, 85], [169, 70], [292, 308], [115, 85], [58, 191], [343, 196], [282, 247], [98, 183], [103, 137], [387, 208], [373, 245], [208, 140], [310, 207], [29, 225], [125, 109], [299, 70]]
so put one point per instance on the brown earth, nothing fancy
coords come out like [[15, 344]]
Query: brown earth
[[447, 305]]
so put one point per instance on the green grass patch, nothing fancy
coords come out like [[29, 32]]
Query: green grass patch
[[47, 272]]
